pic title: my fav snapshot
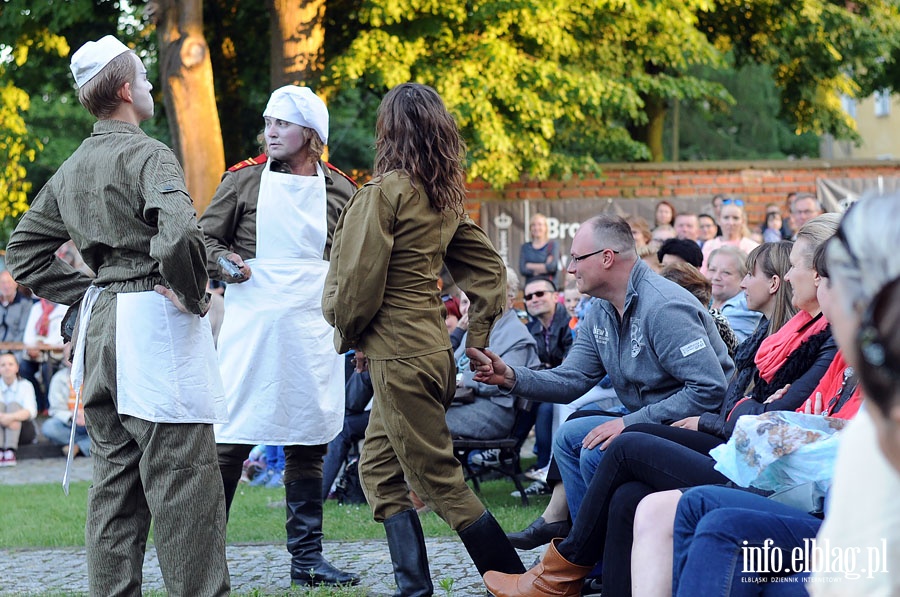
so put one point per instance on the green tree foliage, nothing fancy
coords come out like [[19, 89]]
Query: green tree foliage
[[39, 110], [817, 49], [747, 128]]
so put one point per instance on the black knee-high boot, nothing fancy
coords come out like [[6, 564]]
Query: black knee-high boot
[[408, 555], [304, 537], [489, 547]]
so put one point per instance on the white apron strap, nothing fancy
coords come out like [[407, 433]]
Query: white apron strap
[[77, 374]]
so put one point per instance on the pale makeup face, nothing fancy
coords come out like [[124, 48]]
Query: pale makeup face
[[140, 91], [284, 140], [732, 222], [758, 289], [803, 278], [725, 276]]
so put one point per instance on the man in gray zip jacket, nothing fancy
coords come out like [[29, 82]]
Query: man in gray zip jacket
[[659, 346]]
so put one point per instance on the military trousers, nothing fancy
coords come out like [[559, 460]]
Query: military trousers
[[407, 440], [141, 471]]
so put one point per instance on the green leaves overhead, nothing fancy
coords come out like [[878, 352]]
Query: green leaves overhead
[[540, 88]]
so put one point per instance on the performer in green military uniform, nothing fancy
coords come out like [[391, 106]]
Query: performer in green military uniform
[[274, 217], [382, 297], [144, 350]]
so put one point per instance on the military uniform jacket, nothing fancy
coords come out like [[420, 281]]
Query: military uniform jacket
[[229, 222], [381, 292]]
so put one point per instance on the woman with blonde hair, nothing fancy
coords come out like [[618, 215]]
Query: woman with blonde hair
[[733, 222]]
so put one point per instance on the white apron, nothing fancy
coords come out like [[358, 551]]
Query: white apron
[[284, 383], [166, 370]]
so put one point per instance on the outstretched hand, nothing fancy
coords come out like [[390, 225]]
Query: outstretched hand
[[489, 368]]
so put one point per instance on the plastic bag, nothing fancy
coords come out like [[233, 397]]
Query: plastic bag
[[780, 449]]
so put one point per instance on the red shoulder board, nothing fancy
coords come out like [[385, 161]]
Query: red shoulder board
[[260, 159], [334, 168]]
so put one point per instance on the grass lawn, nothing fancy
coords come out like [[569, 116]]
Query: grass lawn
[[45, 517]]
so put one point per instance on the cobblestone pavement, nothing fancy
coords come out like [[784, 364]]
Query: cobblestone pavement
[[262, 568]]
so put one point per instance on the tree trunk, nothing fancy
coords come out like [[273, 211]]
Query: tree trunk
[[651, 133], [297, 37], [187, 83]]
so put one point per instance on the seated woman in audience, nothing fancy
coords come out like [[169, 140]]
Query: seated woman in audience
[[733, 223], [649, 458], [708, 543], [863, 509], [17, 405], [727, 266], [492, 414]]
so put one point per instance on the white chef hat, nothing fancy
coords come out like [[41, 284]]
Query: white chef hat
[[90, 58], [299, 105]]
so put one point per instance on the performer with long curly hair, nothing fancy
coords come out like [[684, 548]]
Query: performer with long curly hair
[[382, 297]]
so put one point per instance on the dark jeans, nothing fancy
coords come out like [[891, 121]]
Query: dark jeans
[[635, 464], [714, 529], [541, 418], [353, 431]]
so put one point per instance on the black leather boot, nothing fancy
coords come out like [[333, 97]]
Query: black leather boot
[[304, 537], [489, 548], [408, 555], [230, 487]]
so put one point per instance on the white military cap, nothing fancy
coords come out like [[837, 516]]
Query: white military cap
[[299, 105], [93, 56]]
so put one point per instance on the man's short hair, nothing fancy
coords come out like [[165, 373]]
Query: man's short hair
[[803, 196], [100, 95], [681, 247], [613, 232], [542, 279]]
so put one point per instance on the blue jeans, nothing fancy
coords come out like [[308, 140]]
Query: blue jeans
[[715, 527], [275, 458], [58, 433], [577, 465]]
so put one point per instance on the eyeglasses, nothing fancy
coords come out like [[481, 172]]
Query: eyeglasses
[[772, 214], [737, 202], [537, 294], [580, 258]]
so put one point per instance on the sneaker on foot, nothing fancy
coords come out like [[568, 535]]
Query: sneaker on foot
[[536, 488], [9, 458], [489, 458], [539, 474]]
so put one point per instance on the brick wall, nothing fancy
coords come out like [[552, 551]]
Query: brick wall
[[757, 183]]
